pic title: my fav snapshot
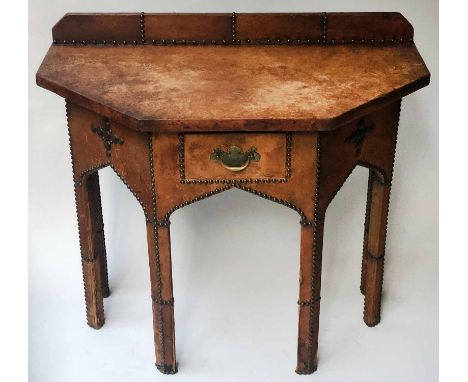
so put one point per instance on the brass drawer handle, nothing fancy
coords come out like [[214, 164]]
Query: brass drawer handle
[[234, 159]]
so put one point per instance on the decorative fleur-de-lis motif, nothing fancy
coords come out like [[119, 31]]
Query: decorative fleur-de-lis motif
[[359, 134], [107, 136]]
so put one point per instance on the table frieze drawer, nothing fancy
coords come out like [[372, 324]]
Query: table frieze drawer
[[245, 157]]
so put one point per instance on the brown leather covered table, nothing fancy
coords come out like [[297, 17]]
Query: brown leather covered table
[[184, 106]]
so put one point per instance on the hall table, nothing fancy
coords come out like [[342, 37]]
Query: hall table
[[185, 106]]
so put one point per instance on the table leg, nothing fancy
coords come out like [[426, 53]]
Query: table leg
[[309, 297], [159, 250], [92, 248], [100, 244], [375, 249], [366, 233]]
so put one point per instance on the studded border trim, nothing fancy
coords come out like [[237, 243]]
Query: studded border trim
[[160, 301], [323, 40], [316, 256], [142, 27], [184, 180], [237, 42], [234, 26], [158, 297], [324, 28], [309, 302], [389, 185], [165, 222], [372, 257], [90, 170]]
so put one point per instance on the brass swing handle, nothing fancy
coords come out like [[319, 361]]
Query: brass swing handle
[[234, 159]]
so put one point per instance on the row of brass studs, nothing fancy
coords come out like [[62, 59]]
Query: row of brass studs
[[145, 211], [309, 302], [233, 26], [264, 41], [315, 254], [378, 172], [161, 301], [142, 27], [90, 170], [159, 314], [288, 155], [181, 156], [83, 258], [233, 182], [303, 220], [388, 184], [235, 41], [324, 28], [165, 221], [370, 256]]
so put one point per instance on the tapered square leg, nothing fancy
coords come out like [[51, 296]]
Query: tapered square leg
[[366, 233], [375, 248], [92, 246], [159, 251], [100, 245], [309, 297]]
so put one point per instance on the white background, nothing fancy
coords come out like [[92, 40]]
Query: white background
[[235, 256]]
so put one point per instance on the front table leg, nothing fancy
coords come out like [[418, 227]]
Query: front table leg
[[91, 232], [159, 251], [100, 245], [309, 297], [375, 247]]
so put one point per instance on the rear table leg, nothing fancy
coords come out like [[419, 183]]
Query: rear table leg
[[374, 268]]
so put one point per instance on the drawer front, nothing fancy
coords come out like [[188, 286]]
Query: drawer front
[[245, 157]]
